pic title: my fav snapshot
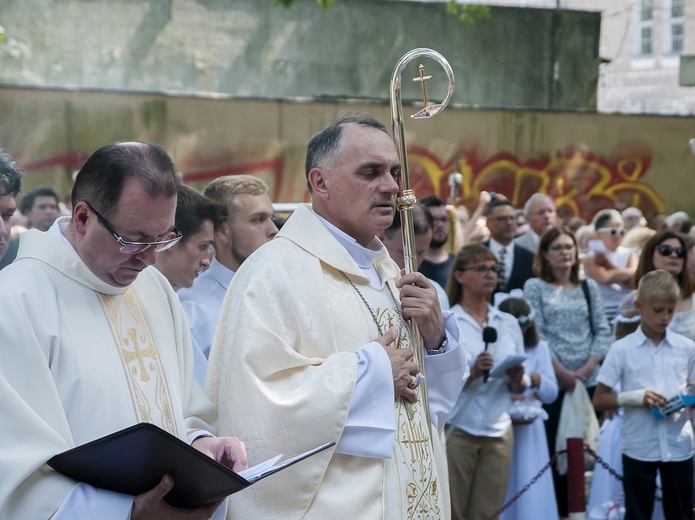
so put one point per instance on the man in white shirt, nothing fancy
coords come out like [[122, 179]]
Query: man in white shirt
[[10, 184], [93, 342], [652, 365], [392, 238], [197, 218], [249, 225], [541, 214]]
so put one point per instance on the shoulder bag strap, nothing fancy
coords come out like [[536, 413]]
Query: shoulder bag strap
[[587, 295]]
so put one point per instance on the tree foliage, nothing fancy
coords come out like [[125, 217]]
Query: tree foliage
[[467, 14]]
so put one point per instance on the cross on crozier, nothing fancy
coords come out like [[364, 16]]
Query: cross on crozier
[[422, 80]]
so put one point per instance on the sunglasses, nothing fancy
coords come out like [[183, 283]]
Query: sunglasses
[[611, 231], [667, 250]]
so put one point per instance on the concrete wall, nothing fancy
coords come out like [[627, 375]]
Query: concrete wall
[[518, 58], [587, 161]]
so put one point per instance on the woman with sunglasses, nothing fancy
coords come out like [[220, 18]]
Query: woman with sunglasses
[[479, 432], [563, 320], [668, 251], [611, 265]]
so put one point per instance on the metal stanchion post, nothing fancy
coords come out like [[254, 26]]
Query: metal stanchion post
[[576, 496]]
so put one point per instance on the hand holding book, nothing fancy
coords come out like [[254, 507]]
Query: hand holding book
[[134, 461]]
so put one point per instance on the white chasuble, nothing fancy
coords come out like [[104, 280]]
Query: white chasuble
[[80, 359], [282, 371]]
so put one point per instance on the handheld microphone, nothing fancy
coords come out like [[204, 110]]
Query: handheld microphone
[[489, 336]]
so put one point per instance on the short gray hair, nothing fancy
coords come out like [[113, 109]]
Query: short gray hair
[[537, 197], [325, 143]]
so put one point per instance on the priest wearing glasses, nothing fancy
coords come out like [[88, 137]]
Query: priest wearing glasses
[[94, 340]]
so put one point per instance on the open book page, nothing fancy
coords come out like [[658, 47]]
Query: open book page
[[509, 362], [273, 465]]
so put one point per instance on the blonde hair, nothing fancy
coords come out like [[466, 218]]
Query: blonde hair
[[584, 234], [606, 217], [637, 237], [658, 285], [224, 190]]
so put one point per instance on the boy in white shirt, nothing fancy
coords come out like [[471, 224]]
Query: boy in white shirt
[[652, 365]]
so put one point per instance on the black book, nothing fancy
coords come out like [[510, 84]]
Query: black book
[[134, 460]]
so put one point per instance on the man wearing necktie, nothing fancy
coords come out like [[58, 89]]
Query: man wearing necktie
[[515, 264]]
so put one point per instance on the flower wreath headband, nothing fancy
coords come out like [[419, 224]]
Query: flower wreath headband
[[619, 318], [515, 293]]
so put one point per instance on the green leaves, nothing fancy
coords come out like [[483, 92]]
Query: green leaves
[[468, 14]]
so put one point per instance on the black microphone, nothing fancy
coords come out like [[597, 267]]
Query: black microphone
[[489, 336]]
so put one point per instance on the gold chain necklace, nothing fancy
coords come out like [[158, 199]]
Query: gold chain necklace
[[401, 322], [409, 407]]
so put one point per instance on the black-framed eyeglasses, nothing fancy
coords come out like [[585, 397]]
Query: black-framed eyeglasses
[[504, 218], [134, 248], [482, 269], [666, 250], [561, 247], [611, 231]]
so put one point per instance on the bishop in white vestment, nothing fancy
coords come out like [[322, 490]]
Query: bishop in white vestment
[[293, 365]]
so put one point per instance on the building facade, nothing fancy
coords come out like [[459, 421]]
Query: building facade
[[642, 42]]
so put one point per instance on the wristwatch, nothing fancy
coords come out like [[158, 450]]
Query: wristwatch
[[441, 345]]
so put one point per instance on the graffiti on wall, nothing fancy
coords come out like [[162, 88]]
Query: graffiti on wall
[[580, 181]]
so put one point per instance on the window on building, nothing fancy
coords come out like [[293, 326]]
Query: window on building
[[646, 10], [646, 40], [644, 33], [677, 38], [675, 32]]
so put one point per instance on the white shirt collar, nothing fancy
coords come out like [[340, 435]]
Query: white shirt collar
[[642, 339], [363, 256], [496, 247], [221, 273], [58, 228]]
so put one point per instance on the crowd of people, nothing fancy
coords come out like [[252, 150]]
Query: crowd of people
[[445, 390]]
